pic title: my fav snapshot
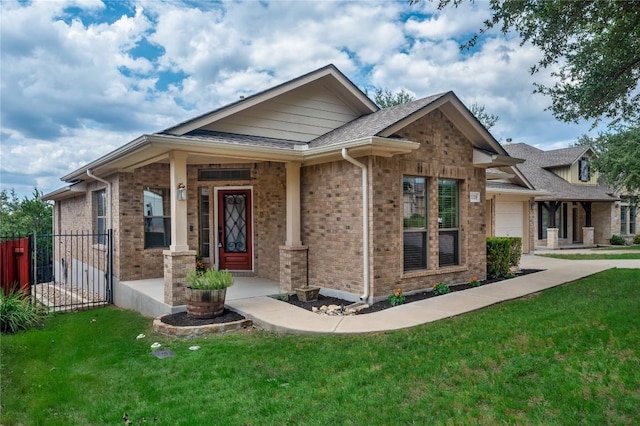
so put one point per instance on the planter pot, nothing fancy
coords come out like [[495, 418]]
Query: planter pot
[[204, 304], [307, 294]]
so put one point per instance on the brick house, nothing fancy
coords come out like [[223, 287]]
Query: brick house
[[577, 208], [306, 182]]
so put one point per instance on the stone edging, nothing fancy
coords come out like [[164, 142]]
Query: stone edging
[[198, 330]]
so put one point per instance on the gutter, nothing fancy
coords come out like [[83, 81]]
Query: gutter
[[365, 223]]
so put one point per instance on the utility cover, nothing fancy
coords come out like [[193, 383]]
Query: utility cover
[[165, 353]]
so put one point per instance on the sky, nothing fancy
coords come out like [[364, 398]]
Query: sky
[[79, 79]]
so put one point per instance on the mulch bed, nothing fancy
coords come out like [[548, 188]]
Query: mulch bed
[[384, 304], [182, 320]]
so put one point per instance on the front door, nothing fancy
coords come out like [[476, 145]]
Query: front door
[[234, 229]]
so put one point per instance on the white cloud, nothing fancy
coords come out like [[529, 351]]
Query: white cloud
[[77, 85]]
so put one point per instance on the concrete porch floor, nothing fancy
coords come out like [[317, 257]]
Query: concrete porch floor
[[147, 296]]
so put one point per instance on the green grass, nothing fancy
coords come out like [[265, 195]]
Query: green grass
[[569, 355], [633, 247], [593, 256]]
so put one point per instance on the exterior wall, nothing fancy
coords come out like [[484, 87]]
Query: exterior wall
[[331, 219], [331, 224], [132, 261], [603, 219]]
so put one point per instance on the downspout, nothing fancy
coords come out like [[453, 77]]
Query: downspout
[[110, 221], [365, 222]]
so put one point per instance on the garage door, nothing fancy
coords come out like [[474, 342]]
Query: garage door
[[509, 216]]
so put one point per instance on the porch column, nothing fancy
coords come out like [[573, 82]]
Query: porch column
[[552, 238], [178, 176], [293, 255], [293, 205], [587, 235]]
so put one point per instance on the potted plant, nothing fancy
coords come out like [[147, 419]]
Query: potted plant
[[206, 291]]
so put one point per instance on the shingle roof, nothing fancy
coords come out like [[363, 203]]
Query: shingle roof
[[564, 156], [374, 123], [239, 139], [535, 170]]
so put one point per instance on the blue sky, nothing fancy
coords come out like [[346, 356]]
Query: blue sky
[[81, 78]]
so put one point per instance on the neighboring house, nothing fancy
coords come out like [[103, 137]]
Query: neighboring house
[[307, 182], [509, 205], [577, 208]]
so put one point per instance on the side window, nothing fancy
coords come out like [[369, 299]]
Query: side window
[[100, 216], [449, 222], [415, 232], [157, 217], [583, 170]]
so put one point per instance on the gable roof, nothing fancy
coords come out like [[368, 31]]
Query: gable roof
[[535, 170], [564, 156], [269, 126]]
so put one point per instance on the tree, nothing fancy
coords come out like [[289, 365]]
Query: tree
[[618, 158], [22, 217], [384, 98], [487, 120], [594, 44]]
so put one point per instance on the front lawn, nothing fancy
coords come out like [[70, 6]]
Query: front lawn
[[592, 256], [569, 355]]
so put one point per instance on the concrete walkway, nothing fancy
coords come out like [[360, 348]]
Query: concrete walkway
[[275, 315]]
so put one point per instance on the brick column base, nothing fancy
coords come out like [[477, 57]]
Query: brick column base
[[552, 238], [176, 265], [587, 235], [293, 267]]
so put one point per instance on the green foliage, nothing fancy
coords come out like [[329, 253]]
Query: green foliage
[[520, 362], [618, 157], [636, 239], [515, 251], [617, 240], [17, 313], [384, 98], [397, 298], [487, 120], [210, 279], [440, 289], [474, 282], [23, 217], [415, 221], [498, 256], [592, 47]]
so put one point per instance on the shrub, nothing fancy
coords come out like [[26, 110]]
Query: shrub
[[515, 251], [474, 282], [498, 256], [636, 239], [440, 288], [17, 313], [397, 298], [617, 240], [210, 279]]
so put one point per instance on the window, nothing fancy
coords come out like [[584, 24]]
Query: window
[[628, 217], [100, 209], [204, 222], [583, 170], [157, 217], [448, 221], [415, 223], [624, 211]]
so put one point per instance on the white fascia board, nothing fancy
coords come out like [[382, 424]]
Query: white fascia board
[[524, 192], [374, 142], [487, 159]]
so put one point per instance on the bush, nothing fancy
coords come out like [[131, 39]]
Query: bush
[[498, 256], [617, 240], [17, 313], [636, 239], [515, 252], [440, 288]]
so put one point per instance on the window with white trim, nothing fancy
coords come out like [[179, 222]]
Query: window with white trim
[[157, 217], [415, 231], [100, 213], [449, 222]]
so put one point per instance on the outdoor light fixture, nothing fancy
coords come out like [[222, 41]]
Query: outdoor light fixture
[[182, 192]]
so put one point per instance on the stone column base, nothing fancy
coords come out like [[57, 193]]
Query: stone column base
[[587, 235], [293, 267], [176, 265], [552, 238]]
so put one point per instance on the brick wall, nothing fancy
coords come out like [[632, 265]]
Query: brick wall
[[331, 201]]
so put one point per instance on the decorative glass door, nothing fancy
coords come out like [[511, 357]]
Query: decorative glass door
[[234, 229]]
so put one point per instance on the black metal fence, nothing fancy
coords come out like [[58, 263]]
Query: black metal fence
[[61, 271]]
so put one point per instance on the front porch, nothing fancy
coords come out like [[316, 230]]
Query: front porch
[[147, 296]]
